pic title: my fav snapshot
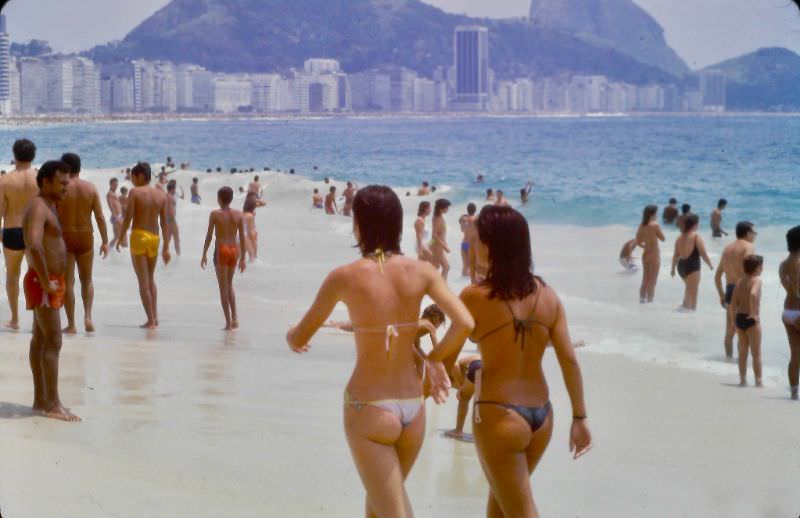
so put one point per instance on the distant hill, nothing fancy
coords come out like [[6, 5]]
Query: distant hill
[[618, 24], [267, 35], [768, 79]]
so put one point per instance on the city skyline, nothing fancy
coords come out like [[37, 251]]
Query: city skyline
[[702, 33]]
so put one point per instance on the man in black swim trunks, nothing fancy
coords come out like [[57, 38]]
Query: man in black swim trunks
[[746, 302], [17, 189], [716, 219], [731, 265]]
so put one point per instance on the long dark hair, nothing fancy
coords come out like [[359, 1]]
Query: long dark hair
[[379, 217], [440, 207], [649, 213], [507, 235]]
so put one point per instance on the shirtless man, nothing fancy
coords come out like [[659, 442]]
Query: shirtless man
[[501, 200], [17, 188], [670, 213], [731, 265], [75, 211], [194, 190], [349, 195], [255, 187], [227, 225], [162, 179], [716, 219], [112, 199], [330, 202], [172, 215], [525, 193], [424, 190], [467, 223], [746, 304], [316, 200], [790, 280], [123, 202], [147, 210], [686, 209], [44, 287]]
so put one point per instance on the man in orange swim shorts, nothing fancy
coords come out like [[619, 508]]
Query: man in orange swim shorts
[[45, 286], [228, 225]]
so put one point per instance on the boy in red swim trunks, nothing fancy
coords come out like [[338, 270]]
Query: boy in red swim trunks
[[47, 257], [228, 226]]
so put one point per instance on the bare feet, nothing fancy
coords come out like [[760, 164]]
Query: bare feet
[[235, 324], [61, 413], [149, 325], [759, 384], [70, 330], [228, 328], [743, 383], [12, 324], [88, 325], [453, 434]]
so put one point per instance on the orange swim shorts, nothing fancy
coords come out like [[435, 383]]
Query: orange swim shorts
[[226, 256], [36, 297]]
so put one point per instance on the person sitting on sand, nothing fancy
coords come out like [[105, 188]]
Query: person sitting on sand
[[194, 190], [731, 265], [424, 190], [670, 213], [517, 316], [147, 211], [790, 280], [464, 376], [227, 225], [525, 192], [689, 248], [349, 194], [384, 417], [438, 246], [330, 202], [626, 256], [421, 232], [746, 305], [250, 229], [716, 219], [467, 223], [45, 286], [647, 237], [75, 211], [316, 200], [172, 215]]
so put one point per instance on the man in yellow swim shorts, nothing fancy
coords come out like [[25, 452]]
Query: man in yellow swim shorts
[[147, 210]]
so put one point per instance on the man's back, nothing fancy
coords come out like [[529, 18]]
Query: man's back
[[75, 210], [148, 202], [732, 261], [226, 224], [18, 189]]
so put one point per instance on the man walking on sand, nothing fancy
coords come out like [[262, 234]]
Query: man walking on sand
[[75, 211], [44, 287], [731, 264], [112, 199], [16, 189], [147, 211]]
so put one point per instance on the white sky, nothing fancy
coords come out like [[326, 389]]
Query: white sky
[[701, 31]]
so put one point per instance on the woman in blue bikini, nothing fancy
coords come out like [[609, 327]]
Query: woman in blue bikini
[[384, 418]]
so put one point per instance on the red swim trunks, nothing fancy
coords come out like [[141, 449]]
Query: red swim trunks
[[36, 297], [226, 256]]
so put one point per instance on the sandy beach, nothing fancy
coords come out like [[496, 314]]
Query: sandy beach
[[191, 421]]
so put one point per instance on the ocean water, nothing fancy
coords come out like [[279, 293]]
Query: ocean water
[[587, 171]]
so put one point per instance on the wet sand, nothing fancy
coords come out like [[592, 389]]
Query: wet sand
[[191, 421]]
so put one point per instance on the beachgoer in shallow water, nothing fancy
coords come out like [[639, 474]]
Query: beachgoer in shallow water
[[316, 200], [45, 284], [686, 210], [384, 417], [731, 264], [746, 304], [147, 211], [463, 376], [194, 190], [490, 195], [501, 200], [114, 206], [17, 189], [525, 193], [255, 188], [716, 220], [670, 213], [516, 317], [689, 248], [422, 234], [438, 245], [647, 237], [172, 215], [330, 202], [75, 211], [626, 256], [349, 194], [424, 190], [250, 230], [227, 225], [467, 223], [790, 280]]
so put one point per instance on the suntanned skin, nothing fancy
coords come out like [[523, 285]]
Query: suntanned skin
[[468, 228], [316, 200], [730, 265], [424, 190], [251, 234], [790, 280], [227, 225], [439, 248], [383, 450], [255, 188], [684, 247], [75, 211], [508, 450], [46, 254], [648, 237], [670, 214], [194, 190], [501, 200], [716, 223], [172, 219], [147, 210], [17, 189], [349, 195], [423, 250], [466, 389], [330, 203], [123, 202], [747, 300], [115, 207]]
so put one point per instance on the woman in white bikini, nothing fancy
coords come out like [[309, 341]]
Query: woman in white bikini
[[422, 234], [384, 418], [790, 279]]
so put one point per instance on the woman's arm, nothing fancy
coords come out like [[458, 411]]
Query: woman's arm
[[701, 246], [659, 233], [675, 258], [328, 296]]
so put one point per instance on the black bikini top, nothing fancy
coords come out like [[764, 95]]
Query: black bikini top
[[522, 327]]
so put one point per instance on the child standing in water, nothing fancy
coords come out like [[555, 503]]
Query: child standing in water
[[229, 248], [747, 305]]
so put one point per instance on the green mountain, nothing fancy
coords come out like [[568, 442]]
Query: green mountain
[[768, 79], [270, 35]]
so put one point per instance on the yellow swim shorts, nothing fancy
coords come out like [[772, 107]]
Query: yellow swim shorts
[[144, 243]]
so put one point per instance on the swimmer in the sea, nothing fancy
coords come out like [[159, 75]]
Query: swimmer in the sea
[[716, 219], [670, 213], [746, 305]]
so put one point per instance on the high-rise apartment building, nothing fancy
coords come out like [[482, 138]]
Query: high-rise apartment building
[[85, 86], [471, 53], [184, 86], [713, 87], [266, 93], [5, 69]]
